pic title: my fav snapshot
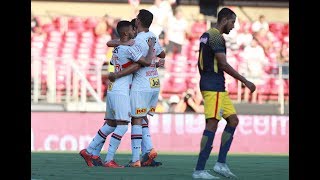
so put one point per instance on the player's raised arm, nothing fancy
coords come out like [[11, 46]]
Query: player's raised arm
[[146, 61], [135, 53], [160, 54], [117, 42]]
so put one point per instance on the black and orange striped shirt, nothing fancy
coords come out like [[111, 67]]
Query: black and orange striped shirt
[[211, 77]]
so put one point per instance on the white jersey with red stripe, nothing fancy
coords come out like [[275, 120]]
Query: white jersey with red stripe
[[146, 78], [121, 58]]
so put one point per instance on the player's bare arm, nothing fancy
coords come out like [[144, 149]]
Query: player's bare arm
[[162, 55], [117, 42], [129, 70], [160, 63], [146, 61], [225, 66]]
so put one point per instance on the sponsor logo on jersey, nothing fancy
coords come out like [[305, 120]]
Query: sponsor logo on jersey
[[152, 109], [154, 82], [141, 110]]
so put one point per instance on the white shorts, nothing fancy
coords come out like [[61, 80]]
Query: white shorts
[[143, 103], [118, 107]]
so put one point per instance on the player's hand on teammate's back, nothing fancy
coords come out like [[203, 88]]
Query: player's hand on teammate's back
[[112, 76], [250, 85], [151, 41], [130, 42], [161, 62]]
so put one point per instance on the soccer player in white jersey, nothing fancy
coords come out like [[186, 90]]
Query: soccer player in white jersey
[[118, 101], [144, 93]]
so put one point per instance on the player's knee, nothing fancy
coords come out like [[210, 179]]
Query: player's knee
[[233, 120], [145, 120], [122, 122], [211, 124], [136, 121], [111, 123]]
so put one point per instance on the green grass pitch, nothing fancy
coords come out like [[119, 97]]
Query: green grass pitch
[[69, 166]]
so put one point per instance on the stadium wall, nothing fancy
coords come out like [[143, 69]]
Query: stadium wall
[[72, 131]]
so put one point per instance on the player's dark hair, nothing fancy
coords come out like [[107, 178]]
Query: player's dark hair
[[133, 23], [122, 27], [145, 18], [225, 12]]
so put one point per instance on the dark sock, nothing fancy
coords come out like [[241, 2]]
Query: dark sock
[[206, 147], [226, 140]]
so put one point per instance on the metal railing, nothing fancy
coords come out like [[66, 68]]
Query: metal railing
[[56, 80], [70, 81]]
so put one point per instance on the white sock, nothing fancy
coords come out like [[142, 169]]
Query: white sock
[[136, 139], [97, 150], [143, 147], [97, 142], [146, 138], [115, 141]]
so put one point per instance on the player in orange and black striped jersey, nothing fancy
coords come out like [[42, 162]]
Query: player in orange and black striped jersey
[[212, 65]]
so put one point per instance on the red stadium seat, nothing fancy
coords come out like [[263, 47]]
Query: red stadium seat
[[48, 27], [232, 87], [285, 30], [192, 69], [192, 82], [178, 84], [71, 34], [178, 67], [175, 85], [275, 27], [265, 90], [90, 23], [275, 84], [180, 57], [59, 22], [76, 24], [37, 45], [69, 45], [38, 38]]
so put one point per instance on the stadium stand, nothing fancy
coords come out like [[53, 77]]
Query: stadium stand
[[68, 38]]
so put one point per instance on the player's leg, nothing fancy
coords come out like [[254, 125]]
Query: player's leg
[[229, 114], [115, 140], [136, 140], [121, 110], [139, 104], [91, 158], [146, 137], [108, 128], [212, 115], [148, 151], [147, 145], [91, 154]]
